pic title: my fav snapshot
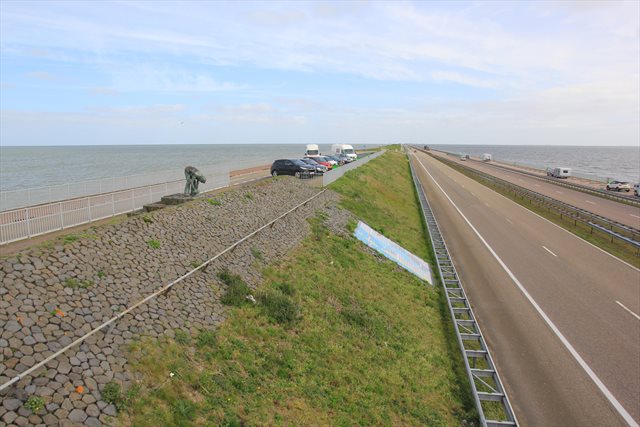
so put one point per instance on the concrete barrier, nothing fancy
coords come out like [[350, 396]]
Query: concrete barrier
[[334, 174]]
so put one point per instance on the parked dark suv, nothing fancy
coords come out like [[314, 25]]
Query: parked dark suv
[[293, 167]]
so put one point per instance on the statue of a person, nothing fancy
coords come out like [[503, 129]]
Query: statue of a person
[[193, 177]]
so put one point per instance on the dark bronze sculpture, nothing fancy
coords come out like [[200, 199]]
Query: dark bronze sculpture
[[194, 177]]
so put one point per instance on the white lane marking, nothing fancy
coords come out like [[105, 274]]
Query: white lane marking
[[518, 206], [508, 220], [559, 192], [548, 250], [635, 216], [603, 388], [487, 204], [632, 313], [589, 201]]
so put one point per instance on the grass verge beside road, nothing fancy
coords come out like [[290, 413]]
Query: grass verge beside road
[[338, 336]]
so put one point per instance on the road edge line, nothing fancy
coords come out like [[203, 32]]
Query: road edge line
[[603, 389]]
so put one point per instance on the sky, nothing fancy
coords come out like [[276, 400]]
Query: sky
[[506, 72]]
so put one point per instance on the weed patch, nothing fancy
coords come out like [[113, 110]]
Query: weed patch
[[214, 202], [35, 404], [153, 244], [75, 283], [237, 289], [278, 307], [256, 253]]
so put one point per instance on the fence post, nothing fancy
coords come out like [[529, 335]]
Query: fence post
[[61, 216], [113, 205], [28, 222]]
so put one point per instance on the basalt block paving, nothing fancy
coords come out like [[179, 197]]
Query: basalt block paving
[[53, 295]]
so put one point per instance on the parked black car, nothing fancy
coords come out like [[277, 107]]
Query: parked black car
[[293, 167], [320, 169]]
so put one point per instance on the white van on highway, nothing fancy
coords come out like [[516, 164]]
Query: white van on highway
[[312, 150], [559, 172], [486, 157], [345, 149]]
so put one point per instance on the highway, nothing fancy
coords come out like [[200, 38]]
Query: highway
[[560, 317], [616, 211]]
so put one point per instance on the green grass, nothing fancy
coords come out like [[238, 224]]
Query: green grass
[[75, 283], [35, 404], [381, 194], [153, 244], [214, 202], [337, 337]]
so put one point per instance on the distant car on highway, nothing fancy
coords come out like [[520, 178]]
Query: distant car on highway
[[294, 167], [463, 158], [320, 169], [559, 172], [636, 190], [619, 186]]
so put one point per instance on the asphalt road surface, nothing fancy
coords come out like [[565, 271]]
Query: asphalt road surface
[[559, 315], [616, 211]]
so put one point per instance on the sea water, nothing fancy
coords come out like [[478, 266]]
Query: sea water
[[597, 163]]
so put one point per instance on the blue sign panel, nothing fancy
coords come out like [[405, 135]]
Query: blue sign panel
[[393, 251]]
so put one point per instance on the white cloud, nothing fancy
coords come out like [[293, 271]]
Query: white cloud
[[41, 75], [441, 76]]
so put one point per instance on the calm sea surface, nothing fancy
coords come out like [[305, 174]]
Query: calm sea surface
[[599, 163], [27, 167]]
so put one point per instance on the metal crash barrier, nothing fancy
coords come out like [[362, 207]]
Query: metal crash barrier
[[486, 386]]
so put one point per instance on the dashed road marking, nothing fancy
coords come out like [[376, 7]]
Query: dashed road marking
[[508, 220], [635, 216], [583, 364], [631, 312], [559, 192], [589, 201], [548, 250]]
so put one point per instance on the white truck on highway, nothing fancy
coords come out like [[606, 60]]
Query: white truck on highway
[[345, 149], [559, 172], [486, 157]]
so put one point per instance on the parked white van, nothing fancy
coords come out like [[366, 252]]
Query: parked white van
[[559, 172], [345, 149], [312, 150]]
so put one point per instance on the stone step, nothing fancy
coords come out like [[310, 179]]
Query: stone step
[[154, 207]]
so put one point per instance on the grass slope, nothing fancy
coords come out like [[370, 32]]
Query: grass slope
[[367, 343]]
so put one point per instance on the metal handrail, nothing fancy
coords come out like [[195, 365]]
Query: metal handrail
[[579, 214], [459, 306], [149, 297], [571, 185]]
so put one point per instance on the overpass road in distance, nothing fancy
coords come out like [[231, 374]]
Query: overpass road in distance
[[559, 315]]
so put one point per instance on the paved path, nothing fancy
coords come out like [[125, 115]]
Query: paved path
[[592, 298]]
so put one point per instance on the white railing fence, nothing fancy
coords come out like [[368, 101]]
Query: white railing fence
[[23, 223], [13, 199]]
